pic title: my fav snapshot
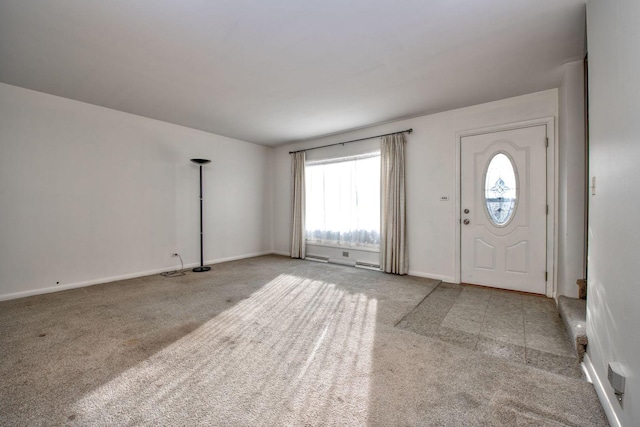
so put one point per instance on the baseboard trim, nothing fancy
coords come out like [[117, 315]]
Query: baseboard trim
[[317, 258], [449, 279], [237, 257], [59, 288], [342, 262], [281, 253], [49, 290], [602, 394], [367, 267]]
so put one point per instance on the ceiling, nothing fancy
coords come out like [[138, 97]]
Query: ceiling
[[278, 71]]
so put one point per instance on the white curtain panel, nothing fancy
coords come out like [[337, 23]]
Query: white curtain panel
[[298, 205], [393, 230]]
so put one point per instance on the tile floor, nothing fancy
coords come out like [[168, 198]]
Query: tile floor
[[520, 327]]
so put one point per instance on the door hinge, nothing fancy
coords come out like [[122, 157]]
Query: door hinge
[[546, 142], [546, 276], [547, 209]]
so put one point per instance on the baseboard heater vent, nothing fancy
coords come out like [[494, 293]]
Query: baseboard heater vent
[[317, 258], [357, 264], [342, 262], [367, 266]]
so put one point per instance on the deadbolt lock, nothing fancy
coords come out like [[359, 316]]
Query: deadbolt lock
[[466, 222], [466, 211]]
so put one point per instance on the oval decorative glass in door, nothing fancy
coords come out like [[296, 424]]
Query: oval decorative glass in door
[[500, 189]]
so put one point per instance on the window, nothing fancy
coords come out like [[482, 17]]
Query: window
[[500, 189], [343, 201]]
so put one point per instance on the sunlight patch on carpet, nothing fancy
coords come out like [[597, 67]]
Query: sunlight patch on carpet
[[298, 350]]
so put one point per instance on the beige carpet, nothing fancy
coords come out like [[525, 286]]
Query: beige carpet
[[263, 341]]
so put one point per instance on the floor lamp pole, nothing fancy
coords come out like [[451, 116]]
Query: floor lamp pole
[[202, 267]]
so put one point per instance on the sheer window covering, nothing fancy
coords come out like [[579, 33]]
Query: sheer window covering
[[343, 201]]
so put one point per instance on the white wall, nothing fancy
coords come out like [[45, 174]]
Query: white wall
[[431, 173], [89, 194], [614, 234], [571, 180]]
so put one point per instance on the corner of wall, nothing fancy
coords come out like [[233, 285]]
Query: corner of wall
[[270, 178], [571, 184]]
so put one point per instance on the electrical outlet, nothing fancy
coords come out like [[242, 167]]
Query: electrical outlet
[[345, 254], [617, 380]]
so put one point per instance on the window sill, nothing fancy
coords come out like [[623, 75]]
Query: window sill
[[353, 248]]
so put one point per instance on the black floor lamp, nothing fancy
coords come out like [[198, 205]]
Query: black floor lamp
[[202, 267]]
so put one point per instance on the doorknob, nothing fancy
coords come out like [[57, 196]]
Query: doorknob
[[466, 222]]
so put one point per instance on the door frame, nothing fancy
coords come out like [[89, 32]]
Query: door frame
[[552, 194]]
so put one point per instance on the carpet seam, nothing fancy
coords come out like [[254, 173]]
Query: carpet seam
[[415, 306]]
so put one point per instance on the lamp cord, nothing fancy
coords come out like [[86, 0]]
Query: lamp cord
[[175, 273]]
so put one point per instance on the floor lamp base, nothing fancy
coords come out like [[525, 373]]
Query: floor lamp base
[[201, 269]]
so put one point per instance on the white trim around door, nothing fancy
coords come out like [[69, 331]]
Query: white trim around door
[[552, 173]]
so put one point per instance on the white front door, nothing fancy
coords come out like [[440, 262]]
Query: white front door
[[504, 209]]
